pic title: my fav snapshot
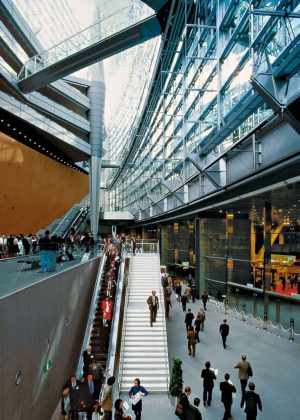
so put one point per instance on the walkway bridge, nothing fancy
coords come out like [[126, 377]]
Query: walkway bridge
[[95, 43]]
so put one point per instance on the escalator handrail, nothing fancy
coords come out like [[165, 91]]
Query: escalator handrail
[[113, 340], [92, 310]]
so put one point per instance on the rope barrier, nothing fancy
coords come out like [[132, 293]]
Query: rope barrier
[[258, 322]]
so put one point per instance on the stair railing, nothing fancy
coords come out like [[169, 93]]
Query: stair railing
[[127, 295], [165, 338], [92, 310]]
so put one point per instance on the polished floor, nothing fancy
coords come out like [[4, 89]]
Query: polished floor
[[275, 362]]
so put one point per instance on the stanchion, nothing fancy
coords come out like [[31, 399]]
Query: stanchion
[[292, 332], [225, 306], [279, 330], [243, 312], [265, 323]]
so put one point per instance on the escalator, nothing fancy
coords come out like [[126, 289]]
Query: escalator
[[104, 339]]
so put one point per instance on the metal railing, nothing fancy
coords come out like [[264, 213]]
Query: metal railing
[[165, 337], [256, 321], [143, 246], [123, 334], [92, 310]]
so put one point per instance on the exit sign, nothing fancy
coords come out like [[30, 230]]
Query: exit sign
[[47, 366]]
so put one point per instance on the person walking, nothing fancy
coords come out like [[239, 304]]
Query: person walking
[[224, 331], [178, 291], [197, 324], [202, 317], [189, 319], [134, 390], [245, 370], [168, 305], [204, 299], [194, 413], [153, 306], [227, 389], [188, 294], [192, 340], [183, 302], [120, 413], [208, 376], [250, 402], [184, 403], [193, 293], [107, 398]]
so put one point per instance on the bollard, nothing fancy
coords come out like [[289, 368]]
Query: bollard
[[244, 312], [254, 304], [265, 323], [237, 300], [292, 326], [225, 306]]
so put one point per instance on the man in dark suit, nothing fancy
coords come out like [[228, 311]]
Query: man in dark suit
[[224, 331], [251, 401], [227, 388], [194, 413], [88, 358], [96, 370], [74, 393], [153, 306], [188, 319], [208, 376]]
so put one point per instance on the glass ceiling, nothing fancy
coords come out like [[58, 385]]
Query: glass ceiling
[[126, 74]]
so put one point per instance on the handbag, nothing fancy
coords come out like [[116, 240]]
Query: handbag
[[249, 371], [178, 410]]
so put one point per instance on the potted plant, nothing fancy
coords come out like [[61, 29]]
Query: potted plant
[[175, 387]]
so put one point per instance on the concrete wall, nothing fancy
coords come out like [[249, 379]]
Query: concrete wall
[[28, 318]]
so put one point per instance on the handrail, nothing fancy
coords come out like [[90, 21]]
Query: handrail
[[112, 348], [123, 332], [260, 323], [165, 337], [65, 218], [90, 322]]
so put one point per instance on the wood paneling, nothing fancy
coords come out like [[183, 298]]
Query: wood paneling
[[34, 189]]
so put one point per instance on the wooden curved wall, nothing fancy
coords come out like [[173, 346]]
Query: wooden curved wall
[[34, 190]]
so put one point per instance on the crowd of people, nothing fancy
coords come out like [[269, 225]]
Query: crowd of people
[[185, 410]]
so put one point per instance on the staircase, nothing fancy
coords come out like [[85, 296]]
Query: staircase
[[144, 352]]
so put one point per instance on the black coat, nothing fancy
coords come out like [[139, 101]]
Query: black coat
[[189, 318], [252, 401], [226, 392], [224, 329], [208, 376]]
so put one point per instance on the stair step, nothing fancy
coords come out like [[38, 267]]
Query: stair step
[[153, 388], [129, 352], [152, 379]]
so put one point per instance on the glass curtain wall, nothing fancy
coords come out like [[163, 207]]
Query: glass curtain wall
[[234, 263], [178, 247], [202, 82]]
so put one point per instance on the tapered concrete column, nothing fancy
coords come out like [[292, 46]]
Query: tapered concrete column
[[96, 94]]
